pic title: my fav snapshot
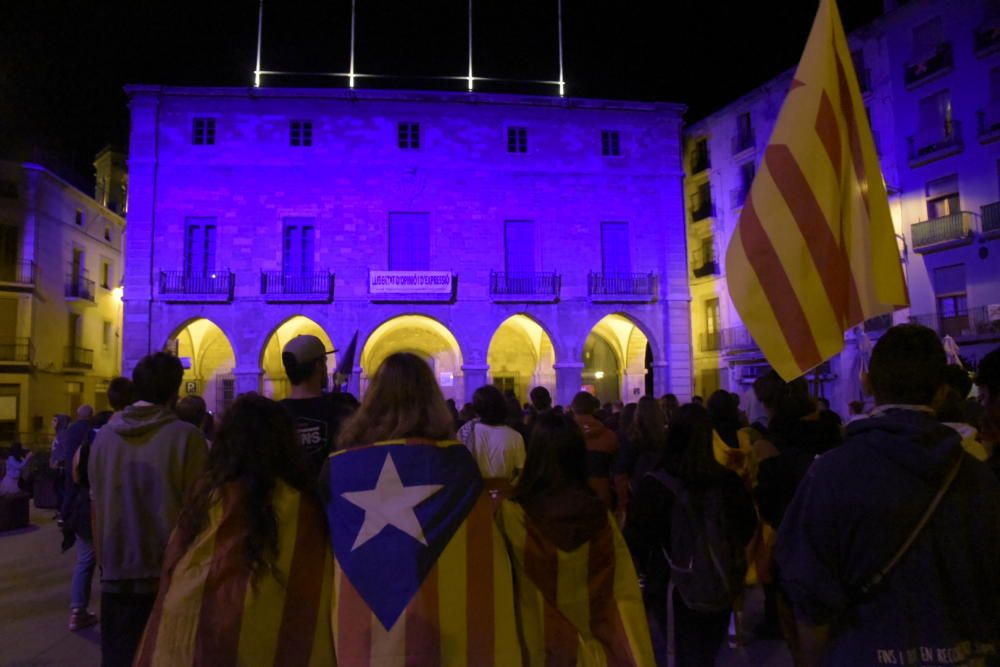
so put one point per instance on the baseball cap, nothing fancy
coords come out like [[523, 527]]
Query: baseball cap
[[303, 350]]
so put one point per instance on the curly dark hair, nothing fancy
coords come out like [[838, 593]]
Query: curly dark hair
[[255, 446]]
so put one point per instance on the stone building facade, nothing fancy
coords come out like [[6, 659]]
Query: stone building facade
[[508, 239], [930, 74], [60, 299]]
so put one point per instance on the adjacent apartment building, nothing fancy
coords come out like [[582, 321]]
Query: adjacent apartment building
[[60, 295], [517, 240], [930, 73]]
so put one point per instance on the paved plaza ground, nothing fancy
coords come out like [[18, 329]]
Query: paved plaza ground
[[34, 590]]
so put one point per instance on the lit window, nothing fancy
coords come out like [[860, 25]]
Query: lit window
[[611, 143], [203, 132], [517, 140], [409, 136], [301, 133]]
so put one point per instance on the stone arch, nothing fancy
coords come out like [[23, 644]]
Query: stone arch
[[209, 359], [521, 355], [633, 348], [422, 335], [275, 382]]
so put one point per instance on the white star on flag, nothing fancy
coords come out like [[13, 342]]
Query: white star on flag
[[390, 504]]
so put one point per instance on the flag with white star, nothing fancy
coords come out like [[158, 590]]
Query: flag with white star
[[420, 570]]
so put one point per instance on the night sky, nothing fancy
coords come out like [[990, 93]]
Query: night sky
[[63, 62]]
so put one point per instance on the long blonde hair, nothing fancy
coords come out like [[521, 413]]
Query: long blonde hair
[[403, 401]]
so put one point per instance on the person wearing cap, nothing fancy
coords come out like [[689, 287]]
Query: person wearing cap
[[317, 414]]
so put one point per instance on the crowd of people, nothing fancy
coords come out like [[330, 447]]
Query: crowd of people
[[401, 529]]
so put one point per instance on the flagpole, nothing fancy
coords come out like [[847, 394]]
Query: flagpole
[[350, 76], [470, 46], [562, 81], [260, 30]]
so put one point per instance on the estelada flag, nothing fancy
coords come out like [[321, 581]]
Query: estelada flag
[[421, 576], [210, 611], [814, 252], [580, 607]]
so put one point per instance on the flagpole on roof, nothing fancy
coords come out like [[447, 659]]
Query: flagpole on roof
[[470, 46], [562, 81], [260, 30], [350, 76]]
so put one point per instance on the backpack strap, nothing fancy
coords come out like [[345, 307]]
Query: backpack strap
[[884, 571]]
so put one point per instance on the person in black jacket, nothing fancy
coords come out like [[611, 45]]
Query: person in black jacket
[[688, 457]]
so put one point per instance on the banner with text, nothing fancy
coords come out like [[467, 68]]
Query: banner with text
[[409, 282]]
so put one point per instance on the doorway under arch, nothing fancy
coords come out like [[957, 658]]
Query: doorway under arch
[[209, 360], [420, 335], [617, 360], [521, 356], [276, 385]]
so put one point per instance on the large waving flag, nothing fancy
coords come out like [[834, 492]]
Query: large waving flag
[[580, 607], [421, 576], [210, 612], [815, 252]]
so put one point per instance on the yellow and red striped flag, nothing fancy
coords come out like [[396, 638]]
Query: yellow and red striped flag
[[421, 573], [581, 607], [210, 612], [815, 251]]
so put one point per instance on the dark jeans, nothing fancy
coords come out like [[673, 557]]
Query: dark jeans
[[123, 620], [699, 635]]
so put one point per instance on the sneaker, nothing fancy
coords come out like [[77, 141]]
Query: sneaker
[[80, 619]]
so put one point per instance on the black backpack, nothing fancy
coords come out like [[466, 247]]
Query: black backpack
[[707, 563]]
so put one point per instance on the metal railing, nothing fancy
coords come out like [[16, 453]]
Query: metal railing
[[78, 287], [179, 282], [279, 282], [878, 323], [927, 142], [985, 39], [742, 141], [22, 273], [921, 69], [524, 284], [19, 350], [974, 322], [79, 357], [991, 218], [954, 227], [703, 263], [622, 284], [711, 341], [737, 338]]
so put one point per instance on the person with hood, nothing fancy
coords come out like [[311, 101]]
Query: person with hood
[[578, 594], [889, 551], [602, 446], [142, 464], [17, 459]]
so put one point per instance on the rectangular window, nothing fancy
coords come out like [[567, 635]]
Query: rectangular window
[[744, 132], [942, 197], [203, 132], [298, 247], [78, 218], [106, 275], [995, 85], [935, 114], [950, 294], [199, 247], [712, 325], [611, 143], [519, 246], [409, 242], [615, 248], [301, 133], [927, 37], [106, 335], [9, 249], [517, 140], [107, 234], [409, 136], [699, 156]]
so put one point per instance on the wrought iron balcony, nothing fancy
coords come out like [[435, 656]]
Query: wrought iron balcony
[[929, 66], [701, 209], [524, 286], [217, 285], [989, 122], [743, 141], [934, 143], [17, 274], [78, 287], [991, 219], [976, 322], [944, 232], [738, 339], [79, 357], [711, 341], [986, 39], [703, 263], [16, 351], [621, 286], [878, 323], [278, 285]]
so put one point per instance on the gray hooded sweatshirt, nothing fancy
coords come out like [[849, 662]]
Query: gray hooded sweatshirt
[[142, 464]]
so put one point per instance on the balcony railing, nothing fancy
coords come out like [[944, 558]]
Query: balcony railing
[[986, 39], [529, 286], [703, 263], [975, 322], [701, 209], [18, 273], [929, 66], [736, 339], [78, 287], [934, 143], [991, 219], [313, 286], [946, 231], [742, 141], [711, 341], [878, 323], [16, 350], [621, 286], [79, 357], [217, 284], [989, 122]]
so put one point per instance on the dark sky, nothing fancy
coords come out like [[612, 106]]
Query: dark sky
[[63, 62]]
